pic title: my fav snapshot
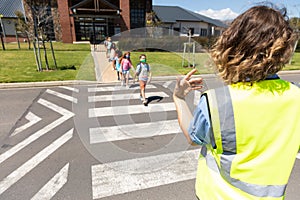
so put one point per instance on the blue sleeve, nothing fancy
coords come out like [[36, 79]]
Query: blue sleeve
[[200, 128], [138, 69]]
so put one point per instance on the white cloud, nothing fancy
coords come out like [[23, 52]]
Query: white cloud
[[223, 14]]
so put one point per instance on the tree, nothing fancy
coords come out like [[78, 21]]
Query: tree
[[25, 26], [152, 22], [295, 24], [35, 26]]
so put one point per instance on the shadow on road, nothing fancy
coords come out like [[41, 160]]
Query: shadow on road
[[153, 98]]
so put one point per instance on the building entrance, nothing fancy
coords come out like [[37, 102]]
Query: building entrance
[[91, 29]]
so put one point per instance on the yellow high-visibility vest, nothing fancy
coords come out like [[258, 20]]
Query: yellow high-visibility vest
[[256, 137]]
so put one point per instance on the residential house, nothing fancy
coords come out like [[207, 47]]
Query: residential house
[[180, 21], [7, 17]]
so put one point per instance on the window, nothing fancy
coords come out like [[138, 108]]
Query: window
[[203, 32], [137, 13], [176, 31], [191, 30], [49, 26], [217, 32]]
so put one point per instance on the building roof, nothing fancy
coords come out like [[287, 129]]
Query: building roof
[[171, 14], [9, 7], [101, 3]]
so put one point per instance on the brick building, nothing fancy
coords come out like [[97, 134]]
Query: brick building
[[80, 20]]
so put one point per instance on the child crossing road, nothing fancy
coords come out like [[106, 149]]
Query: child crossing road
[[144, 76]]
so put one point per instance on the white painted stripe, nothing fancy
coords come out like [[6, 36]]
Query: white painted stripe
[[130, 109], [32, 119], [131, 175], [55, 107], [124, 96], [63, 96], [298, 156], [70, 88], [167, 84], [16, 175], [53, 186], [140, 130], [116, 88], [66, 115]]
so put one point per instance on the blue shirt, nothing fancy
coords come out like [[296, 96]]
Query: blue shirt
[[200, 127]]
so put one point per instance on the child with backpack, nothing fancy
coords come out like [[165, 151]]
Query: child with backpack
[[144, 74], [117, 64], [126, 65]]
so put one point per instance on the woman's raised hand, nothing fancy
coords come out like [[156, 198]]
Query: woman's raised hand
[[186, 84]]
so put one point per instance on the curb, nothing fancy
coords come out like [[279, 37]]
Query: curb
[[82, 82], [44, 84]]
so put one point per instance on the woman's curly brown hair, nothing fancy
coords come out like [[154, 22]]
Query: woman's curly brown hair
[[258, 43]]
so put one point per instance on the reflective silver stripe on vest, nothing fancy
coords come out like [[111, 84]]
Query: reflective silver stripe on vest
[[226, 116], [228, 134]]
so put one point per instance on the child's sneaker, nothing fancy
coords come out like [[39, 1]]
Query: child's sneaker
[[145, 102]]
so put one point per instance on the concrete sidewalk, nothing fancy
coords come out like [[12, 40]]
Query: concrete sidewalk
[[103, 68]]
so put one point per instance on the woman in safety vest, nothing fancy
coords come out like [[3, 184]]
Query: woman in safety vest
[[249, 129]]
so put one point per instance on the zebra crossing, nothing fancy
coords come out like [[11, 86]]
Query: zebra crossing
[[149, 170], [137, 147]]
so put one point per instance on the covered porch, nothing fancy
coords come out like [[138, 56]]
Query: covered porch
[[95, 19]]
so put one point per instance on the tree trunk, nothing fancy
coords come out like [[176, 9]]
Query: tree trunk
[[2, 42], [45, 54], [39, 54], [38, 64], [29, 42], [53, 55], [290, 61], [17, 38]]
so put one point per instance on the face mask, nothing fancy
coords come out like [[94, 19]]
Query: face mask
[[143, 60], [127, 56]]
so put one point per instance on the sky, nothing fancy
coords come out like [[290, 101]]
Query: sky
[[227, 9]]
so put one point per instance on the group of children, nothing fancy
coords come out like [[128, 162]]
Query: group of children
[[122, 64]]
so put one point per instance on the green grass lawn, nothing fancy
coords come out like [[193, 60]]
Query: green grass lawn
[[169, 63], [18, 65]]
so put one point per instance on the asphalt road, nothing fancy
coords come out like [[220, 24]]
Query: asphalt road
[[55, 142]]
